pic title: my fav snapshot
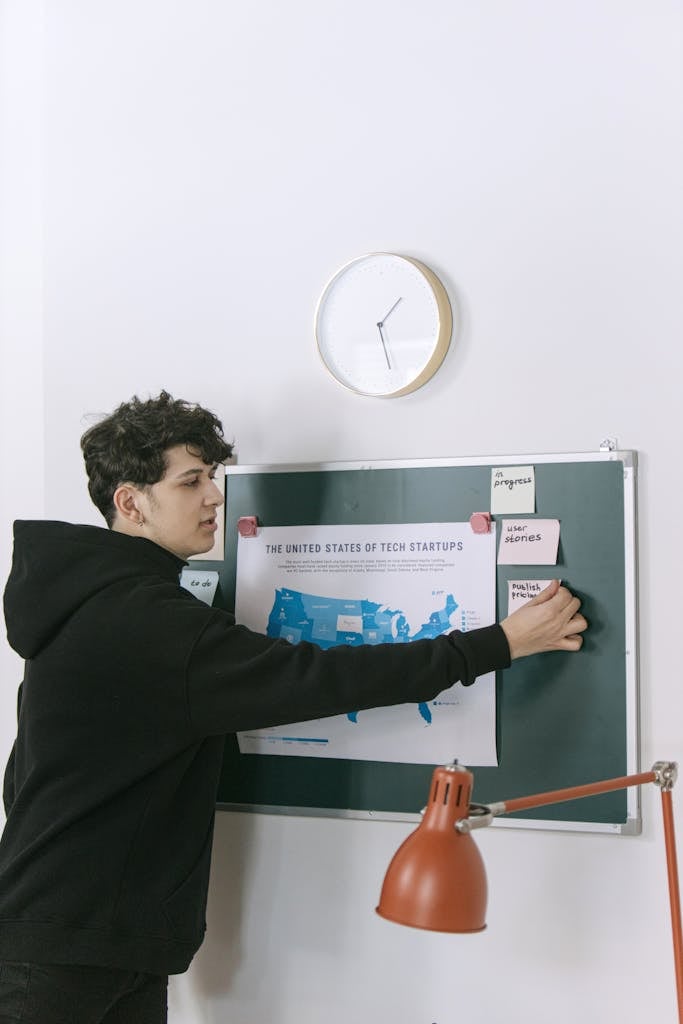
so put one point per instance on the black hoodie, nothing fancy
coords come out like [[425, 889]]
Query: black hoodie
[[130, 685]]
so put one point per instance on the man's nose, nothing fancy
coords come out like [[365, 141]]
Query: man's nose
[[215, 495]]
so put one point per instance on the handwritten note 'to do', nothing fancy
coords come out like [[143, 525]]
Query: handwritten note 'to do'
[[200, 582]]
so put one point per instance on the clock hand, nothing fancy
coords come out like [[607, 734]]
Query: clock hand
[[380, 328], [384, 344], [391, 310]]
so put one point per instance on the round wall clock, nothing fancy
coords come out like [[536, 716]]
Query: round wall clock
[[383, 325]]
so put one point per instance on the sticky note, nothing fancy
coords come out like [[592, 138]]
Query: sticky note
[[513, 490], [521, 591], [201, 583], [529, 542]]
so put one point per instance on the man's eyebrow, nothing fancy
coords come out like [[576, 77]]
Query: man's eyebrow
[[196, 471]]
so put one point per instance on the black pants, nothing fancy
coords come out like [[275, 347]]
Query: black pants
[[55, 994]]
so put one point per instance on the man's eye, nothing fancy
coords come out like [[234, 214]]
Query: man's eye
[[192, 483]]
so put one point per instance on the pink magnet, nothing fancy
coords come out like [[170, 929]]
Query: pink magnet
[[480, 522], [247, 526]]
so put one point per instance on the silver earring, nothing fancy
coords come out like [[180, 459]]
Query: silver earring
[[141, 521]]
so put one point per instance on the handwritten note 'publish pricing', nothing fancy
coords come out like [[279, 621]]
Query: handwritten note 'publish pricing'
[[513, 489], [529, 542], [522, 591]]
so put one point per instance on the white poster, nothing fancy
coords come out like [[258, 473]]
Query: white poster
[[375, 584]]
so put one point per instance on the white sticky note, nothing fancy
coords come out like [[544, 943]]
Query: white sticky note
[[201, 583], [513, 489], [521, 591], [529, 542]]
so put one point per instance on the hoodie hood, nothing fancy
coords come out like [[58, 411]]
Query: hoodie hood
[[43, 590]]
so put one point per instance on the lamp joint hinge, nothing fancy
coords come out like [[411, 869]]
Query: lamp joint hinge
[[667, 774], [480, 815]]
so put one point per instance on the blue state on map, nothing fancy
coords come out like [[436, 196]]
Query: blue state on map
[[329, 621]]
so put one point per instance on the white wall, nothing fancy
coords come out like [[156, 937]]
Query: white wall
[[206, 167], [21, 353]]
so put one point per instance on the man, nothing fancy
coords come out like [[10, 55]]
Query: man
[[130, 685]]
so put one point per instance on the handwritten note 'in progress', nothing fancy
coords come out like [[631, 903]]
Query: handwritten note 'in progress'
[[513, 489]]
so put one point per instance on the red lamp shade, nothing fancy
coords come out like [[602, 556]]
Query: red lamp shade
[[436, 879]]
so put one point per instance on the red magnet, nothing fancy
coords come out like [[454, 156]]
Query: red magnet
[[480, 522], [247, 526]]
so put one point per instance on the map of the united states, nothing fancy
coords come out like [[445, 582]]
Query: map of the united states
[[328, 621]]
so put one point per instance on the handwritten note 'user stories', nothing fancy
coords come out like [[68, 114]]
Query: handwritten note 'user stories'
[[513, 490], [529, 542]]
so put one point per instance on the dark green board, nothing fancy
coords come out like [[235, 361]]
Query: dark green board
[[563, 720]]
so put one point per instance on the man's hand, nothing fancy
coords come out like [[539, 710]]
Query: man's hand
[[549, 622]]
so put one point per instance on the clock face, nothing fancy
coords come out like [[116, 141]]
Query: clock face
[[383, 325]]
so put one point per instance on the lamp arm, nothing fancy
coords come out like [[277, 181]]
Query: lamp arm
[[665, 774], [674, 892], [557, 796]]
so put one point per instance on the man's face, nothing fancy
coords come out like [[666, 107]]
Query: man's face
[[179, 511]]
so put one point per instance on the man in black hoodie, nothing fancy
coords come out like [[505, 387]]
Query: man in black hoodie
[[130, 685]]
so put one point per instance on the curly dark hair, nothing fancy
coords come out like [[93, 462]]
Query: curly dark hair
[[130, 445]]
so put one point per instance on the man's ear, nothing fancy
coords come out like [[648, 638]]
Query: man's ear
[[126, 503]]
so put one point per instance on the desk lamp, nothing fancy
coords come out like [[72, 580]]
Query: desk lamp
[[437, 880]]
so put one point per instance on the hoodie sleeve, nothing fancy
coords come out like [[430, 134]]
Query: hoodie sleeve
[[8, 789], [240, 680]]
